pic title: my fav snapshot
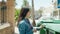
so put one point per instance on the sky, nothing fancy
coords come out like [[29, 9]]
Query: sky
[[37, 3]]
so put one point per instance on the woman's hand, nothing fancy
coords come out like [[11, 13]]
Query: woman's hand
[[41, 26], [34, 30]]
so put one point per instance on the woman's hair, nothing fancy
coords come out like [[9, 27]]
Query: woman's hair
[[23, 14]]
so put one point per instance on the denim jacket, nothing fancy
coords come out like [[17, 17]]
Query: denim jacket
[[25, 27]]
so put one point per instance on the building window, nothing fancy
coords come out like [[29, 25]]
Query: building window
[[3, 9], [3, 0]]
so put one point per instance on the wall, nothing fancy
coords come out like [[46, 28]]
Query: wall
[[9, 17]]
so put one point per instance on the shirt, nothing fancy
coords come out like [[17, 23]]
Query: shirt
[[25, 27]]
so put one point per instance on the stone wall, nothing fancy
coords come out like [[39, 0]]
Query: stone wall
[[9, 17]]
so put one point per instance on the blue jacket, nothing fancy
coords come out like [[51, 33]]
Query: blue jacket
[[25, 27]]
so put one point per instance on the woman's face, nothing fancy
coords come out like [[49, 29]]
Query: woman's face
[[28, 14]]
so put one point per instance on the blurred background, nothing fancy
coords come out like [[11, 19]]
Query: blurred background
[[42, 12]]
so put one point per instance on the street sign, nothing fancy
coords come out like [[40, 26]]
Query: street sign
[[58, 3]]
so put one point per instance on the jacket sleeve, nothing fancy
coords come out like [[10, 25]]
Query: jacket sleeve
[[21, 28]]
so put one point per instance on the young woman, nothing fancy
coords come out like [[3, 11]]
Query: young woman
[[24, 25]]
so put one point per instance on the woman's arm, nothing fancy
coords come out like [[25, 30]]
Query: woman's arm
[[37, 28], [21, 28]]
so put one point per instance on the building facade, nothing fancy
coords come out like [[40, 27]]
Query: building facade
[[7, 16]]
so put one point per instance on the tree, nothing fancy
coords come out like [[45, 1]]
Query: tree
[[55, 13], [40, 11], [25, 3], [33, 16], [17, 12]]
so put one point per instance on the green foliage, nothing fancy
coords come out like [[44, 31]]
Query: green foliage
[[17, 12], [55, 13], [24, 3], [40, 11]]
